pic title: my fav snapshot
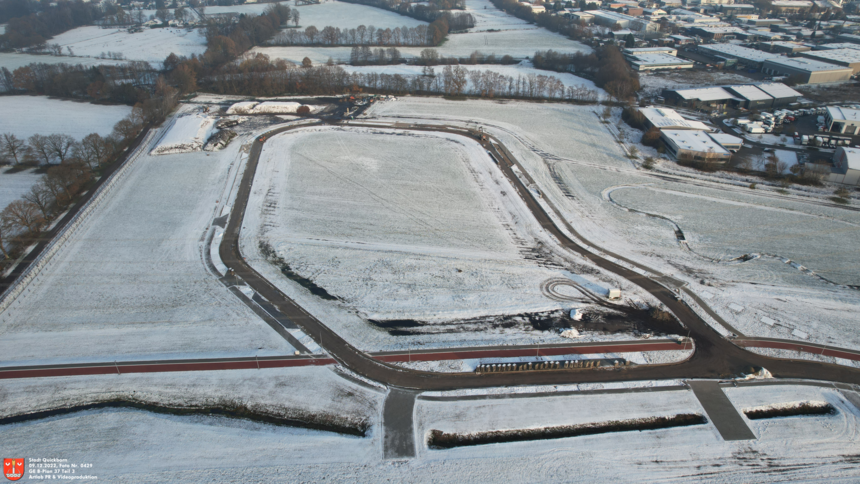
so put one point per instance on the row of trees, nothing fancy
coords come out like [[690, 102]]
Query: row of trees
[[431, 57], [124, 84], [258, 76], [37, 28], [361, 35]]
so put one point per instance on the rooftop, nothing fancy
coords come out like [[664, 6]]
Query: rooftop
[[751, 93], [806, 64], [838, 113], [778, 90], [694, 141], [739, 52], [852, 157], [705, 94], [646, 50], [669, 118], [838, 55], [658, 59], [840, 45], [726, 139]]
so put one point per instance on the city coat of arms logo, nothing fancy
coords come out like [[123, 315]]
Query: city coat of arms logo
[[13, 469]]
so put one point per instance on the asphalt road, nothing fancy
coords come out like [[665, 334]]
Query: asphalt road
[[715, 357]]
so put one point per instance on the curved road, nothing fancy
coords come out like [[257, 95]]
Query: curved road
[[715, 357]]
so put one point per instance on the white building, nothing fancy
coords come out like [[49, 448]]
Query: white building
[[842, 120], [665, 118], [846, 166], [690, 145]]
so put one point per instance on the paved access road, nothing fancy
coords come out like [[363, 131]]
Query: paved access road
[[715, 357]]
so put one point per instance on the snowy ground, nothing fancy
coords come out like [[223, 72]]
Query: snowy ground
[[151, 45], [131, 283], [331, 13], [788, 234], [511, 71], [13, 61], [14, 185], [25, 116], [188, 131], [136, 447]]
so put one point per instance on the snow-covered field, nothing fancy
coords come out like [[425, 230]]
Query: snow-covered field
[[330, 13], [568, 145], [25, 116], [13, 61], [188, 132], [513, 37], [267, 107], [151, 45], [14, 185], [206, 449], [518, 44], [400, 226], [132, 283], [510, 71]]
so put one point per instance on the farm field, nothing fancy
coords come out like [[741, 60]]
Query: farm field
[[433, 236], [510, 71], [151, 45], [519, 44], [132, 283], [582, 174], [25, 116], [796, 448], [330, 13], [13, 61], [14, 185]]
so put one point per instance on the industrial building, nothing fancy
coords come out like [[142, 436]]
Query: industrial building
[[743, 55], [727, 141], [652, 50], [842, 120], [750, 97], [807, 71], [689, 145], [665, 118], [837, 45], [650, 62], [784, 47], [846, 166], [782, 95], [713, 97], [840, 57], [850, 38], [715, 33]]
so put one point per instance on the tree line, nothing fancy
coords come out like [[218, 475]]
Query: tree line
[[432, 11], [123, 84], [258, 76], [361, 35]]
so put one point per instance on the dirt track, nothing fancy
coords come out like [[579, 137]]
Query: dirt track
[[715, 356]]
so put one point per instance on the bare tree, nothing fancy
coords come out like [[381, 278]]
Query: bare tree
[[296, 17], [40, 196], [40, 148], [61, 145], [12, 147], [23, 215], [92, 150], [4, 231]]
